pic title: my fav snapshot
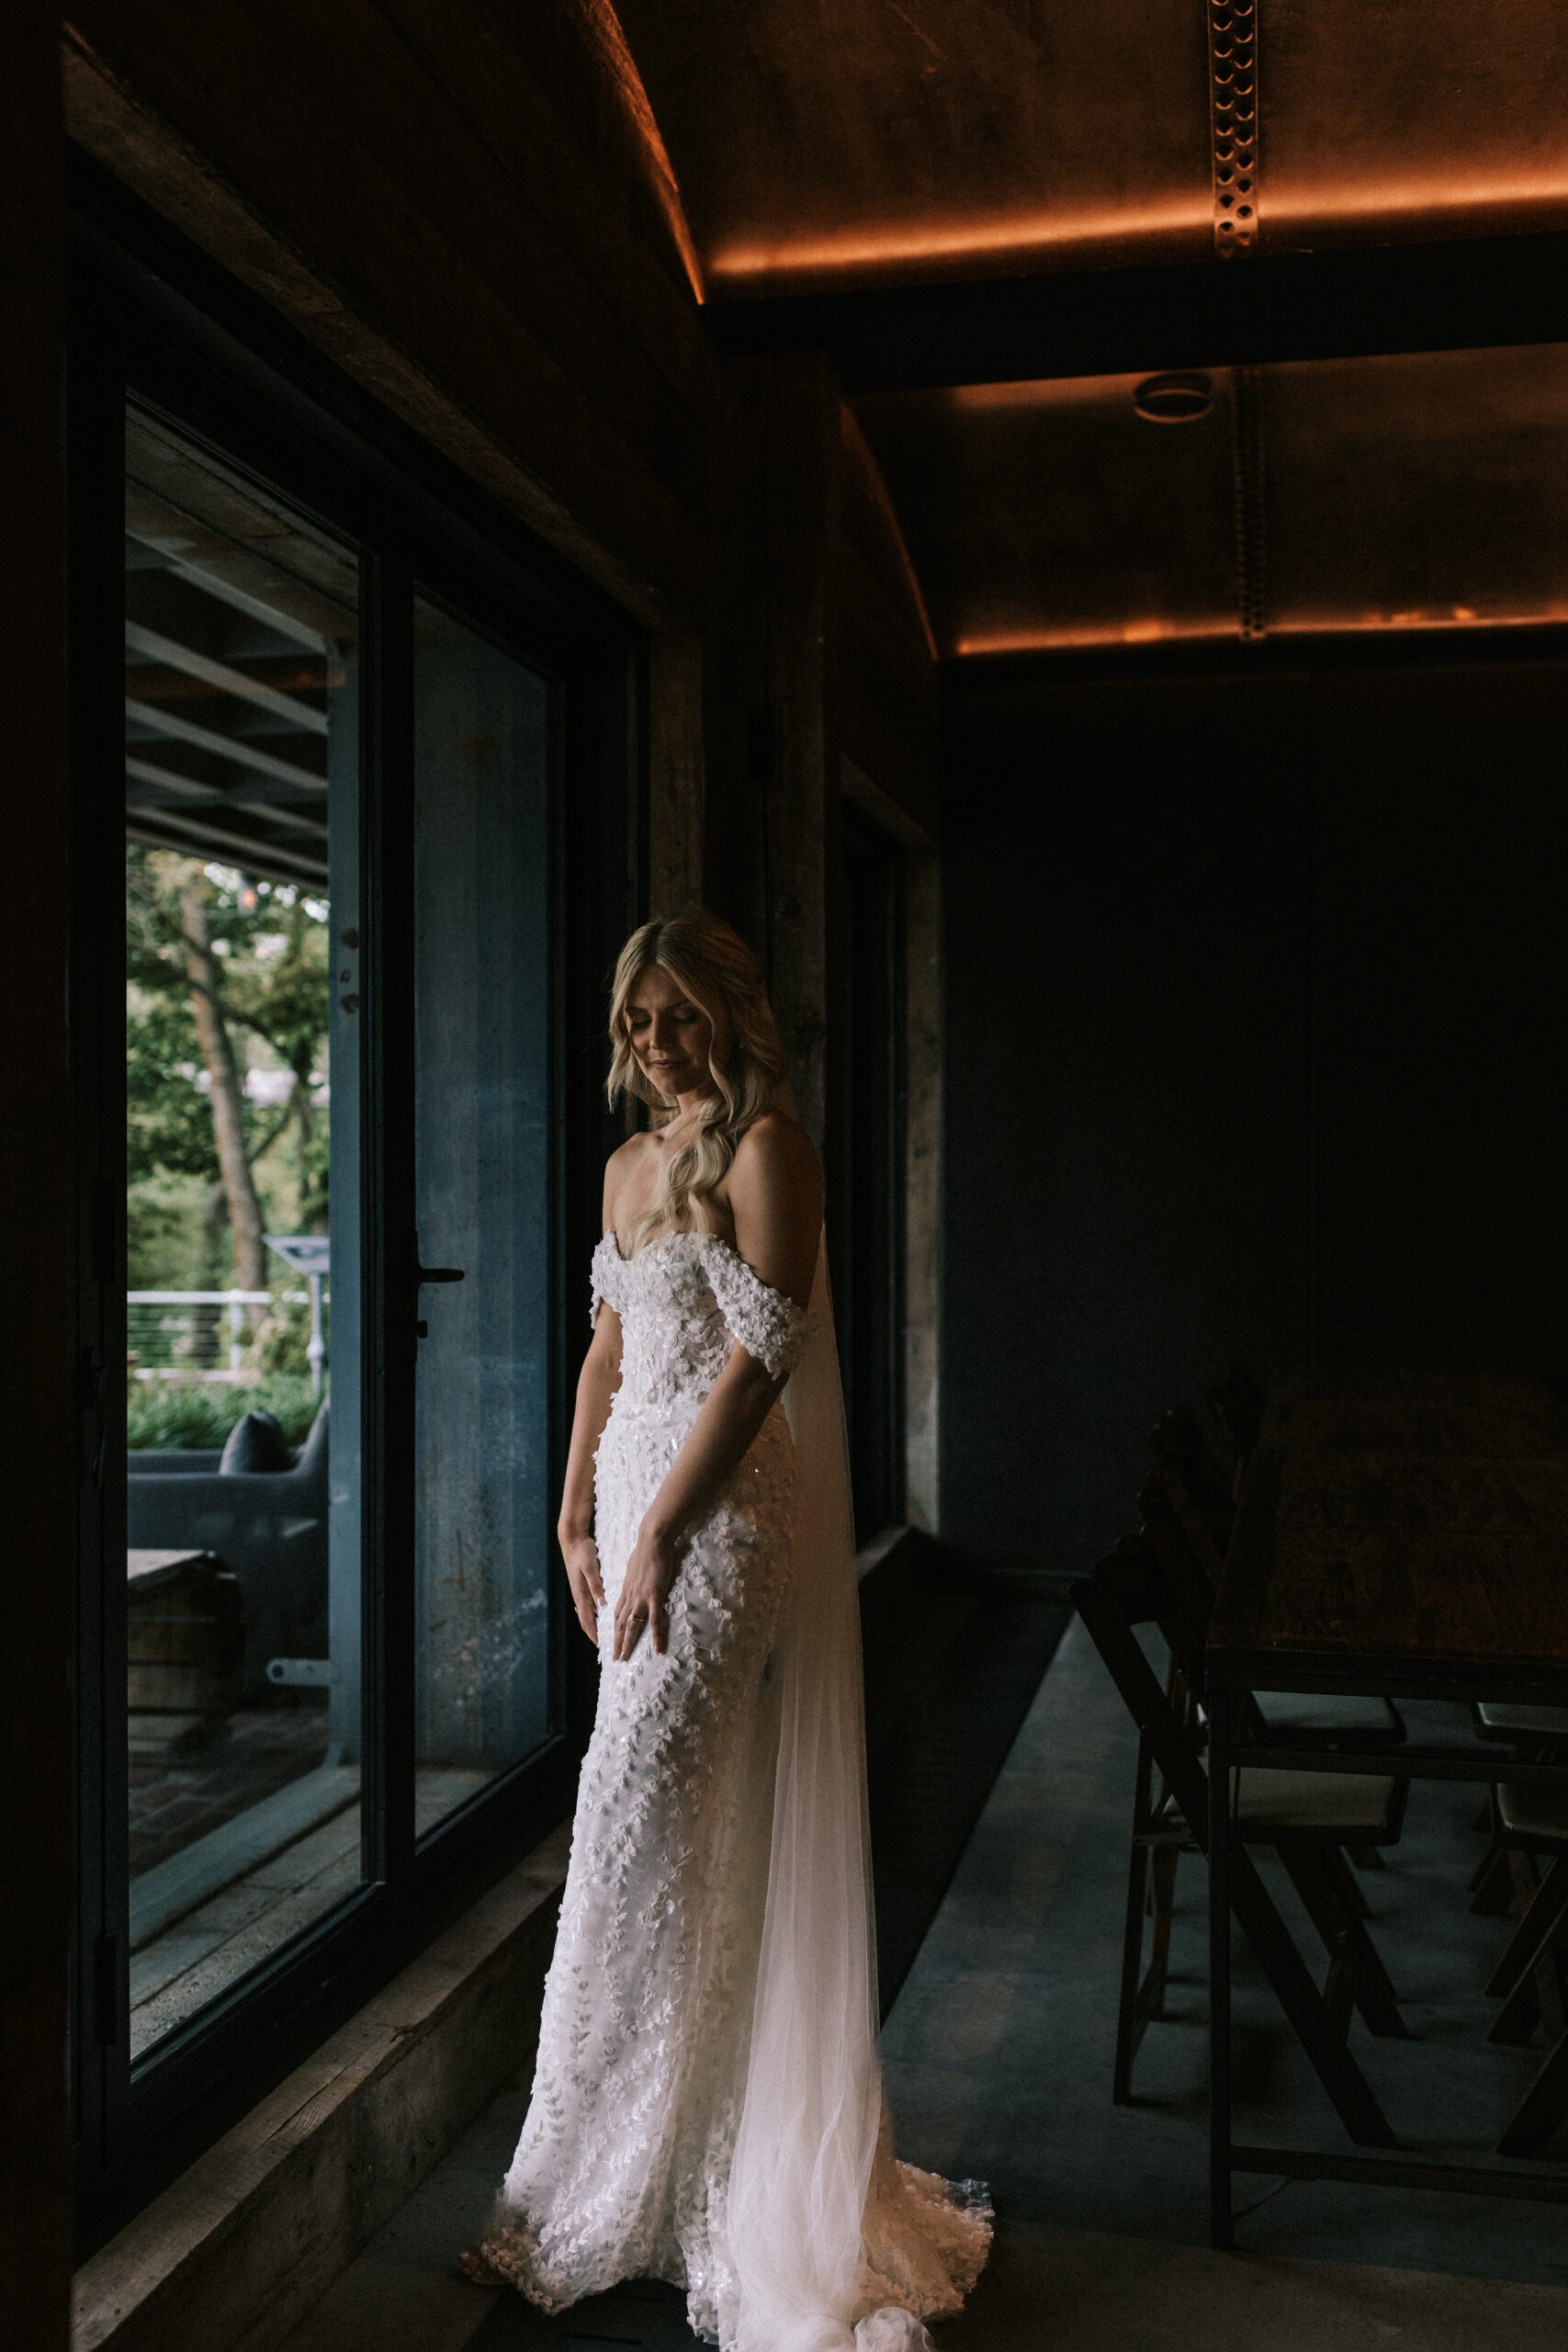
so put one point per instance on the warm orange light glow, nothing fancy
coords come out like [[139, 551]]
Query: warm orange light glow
[[1008, 237], [859, 448], [1456, 617], [1434, 203], [606, 28], [1049, 640], [1431, 195], [1049, 391]]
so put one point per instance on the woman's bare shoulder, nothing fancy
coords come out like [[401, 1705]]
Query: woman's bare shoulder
[[775, 1140], [774, 1195], [775, 1154], [621, 1168]]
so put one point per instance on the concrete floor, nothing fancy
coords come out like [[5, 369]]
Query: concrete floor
[[997, 2057]]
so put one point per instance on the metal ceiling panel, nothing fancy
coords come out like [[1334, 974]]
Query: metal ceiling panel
[[1423, 492], [1383, 119], [828, 142], [1429, 490], [1050, 516], [855, 140]]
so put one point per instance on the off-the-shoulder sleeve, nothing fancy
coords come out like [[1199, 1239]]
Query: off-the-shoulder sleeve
[[605, 1276], [768, 1325]]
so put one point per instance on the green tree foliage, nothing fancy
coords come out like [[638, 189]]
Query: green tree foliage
[[204, 1416], [271, 941], [169, 1117]]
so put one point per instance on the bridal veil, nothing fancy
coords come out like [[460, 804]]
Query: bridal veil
[[807, 2136]]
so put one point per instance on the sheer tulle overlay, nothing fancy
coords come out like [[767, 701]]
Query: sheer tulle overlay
[[706, 2105]]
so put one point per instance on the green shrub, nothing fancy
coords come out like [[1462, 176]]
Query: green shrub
[[170, 1414], [281, 1353]]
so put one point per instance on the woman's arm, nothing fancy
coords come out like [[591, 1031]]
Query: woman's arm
[[774, 1193], [596, 1386]]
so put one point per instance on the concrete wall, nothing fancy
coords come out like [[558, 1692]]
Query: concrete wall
[[1256, 997]]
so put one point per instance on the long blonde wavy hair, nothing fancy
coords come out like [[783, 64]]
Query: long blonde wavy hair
[[713, 965]]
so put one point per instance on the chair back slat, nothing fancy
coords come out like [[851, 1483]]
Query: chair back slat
[[1171, 1745]]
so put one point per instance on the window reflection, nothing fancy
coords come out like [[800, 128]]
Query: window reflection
[[243, 1564], [482, 1162]]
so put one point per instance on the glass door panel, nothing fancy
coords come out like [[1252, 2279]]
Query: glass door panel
[[484, 1160], [242, 1563]]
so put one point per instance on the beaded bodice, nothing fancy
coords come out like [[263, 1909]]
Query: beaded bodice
[[682, 1300]]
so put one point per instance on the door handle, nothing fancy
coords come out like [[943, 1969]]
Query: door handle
[[423, 1273]]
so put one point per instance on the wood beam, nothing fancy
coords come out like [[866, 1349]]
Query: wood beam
[[326, 164], [1463, 294]]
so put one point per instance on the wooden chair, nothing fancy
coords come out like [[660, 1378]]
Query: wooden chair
[[1529, 1974], [1290, 1718], [1506, 1871], [1306, 1817], [1532, 1823], [1188, 1468], [1237, 1404]]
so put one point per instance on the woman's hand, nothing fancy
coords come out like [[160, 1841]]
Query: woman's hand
[[581, 1557], [644, 1597]]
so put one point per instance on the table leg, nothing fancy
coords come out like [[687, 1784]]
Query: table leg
[[1222, 2233]]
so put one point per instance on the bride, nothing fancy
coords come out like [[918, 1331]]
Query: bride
[[706, 2105]]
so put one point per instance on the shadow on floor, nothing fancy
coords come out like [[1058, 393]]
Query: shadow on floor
[[930, 1778], [641, 2312]]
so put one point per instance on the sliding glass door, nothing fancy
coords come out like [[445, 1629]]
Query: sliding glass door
[[243, 1136], [483, 1186], [353, 794]]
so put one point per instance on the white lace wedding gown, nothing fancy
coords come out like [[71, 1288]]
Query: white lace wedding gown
[[625, 2163]]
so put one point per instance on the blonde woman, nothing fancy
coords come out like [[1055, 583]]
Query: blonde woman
[[706, 2105]]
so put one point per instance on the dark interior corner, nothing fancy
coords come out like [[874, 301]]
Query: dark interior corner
[[1251, 1054]]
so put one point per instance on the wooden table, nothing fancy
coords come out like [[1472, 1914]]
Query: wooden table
[[184, 1641], [1404, 1534]]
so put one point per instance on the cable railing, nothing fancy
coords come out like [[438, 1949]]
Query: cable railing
[[198, 1335], [203, 1335]]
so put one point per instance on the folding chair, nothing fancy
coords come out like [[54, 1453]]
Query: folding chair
[[1189, 1470], [1507, 1869], [1237, 1404], [1304, 1816], [1290, 1718], [1531, 1824]]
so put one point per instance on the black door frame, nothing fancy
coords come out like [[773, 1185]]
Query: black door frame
[[153, 318]]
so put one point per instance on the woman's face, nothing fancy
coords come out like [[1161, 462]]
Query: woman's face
[[671, 1037]]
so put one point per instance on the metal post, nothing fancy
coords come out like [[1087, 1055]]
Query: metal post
[[317, 1350], [1222, 2233], [235, 1326]]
